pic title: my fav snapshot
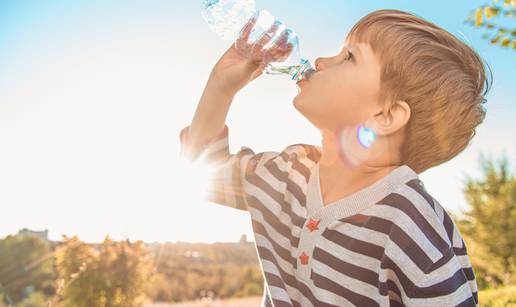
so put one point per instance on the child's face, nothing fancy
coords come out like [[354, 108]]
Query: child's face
[[343, 91]]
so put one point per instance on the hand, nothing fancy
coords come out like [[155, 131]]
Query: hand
[[243, 62]]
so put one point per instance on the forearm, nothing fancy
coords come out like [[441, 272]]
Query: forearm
[[210, 116]]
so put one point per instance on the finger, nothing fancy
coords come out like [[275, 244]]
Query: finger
[[280, 43], [286, 52], [245, 32], [258, 72], [281, 54], [266, 37]]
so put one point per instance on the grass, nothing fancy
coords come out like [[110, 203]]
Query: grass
[[498, 297], [495, 297], [243, 302]]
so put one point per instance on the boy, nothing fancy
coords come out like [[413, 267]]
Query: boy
[[349, 223]]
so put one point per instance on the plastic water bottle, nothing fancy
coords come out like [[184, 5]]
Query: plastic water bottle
[[227, 18]]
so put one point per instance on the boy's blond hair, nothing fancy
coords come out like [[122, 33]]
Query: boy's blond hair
[[441, 78]]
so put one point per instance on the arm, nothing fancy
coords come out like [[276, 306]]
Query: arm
[[207, 134], [234, 70], [446, 281], [208, 121], [226, 172]]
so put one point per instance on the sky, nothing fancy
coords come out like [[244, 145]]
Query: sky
[[93, 95]]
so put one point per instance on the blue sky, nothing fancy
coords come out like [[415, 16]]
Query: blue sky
[[93, 95]]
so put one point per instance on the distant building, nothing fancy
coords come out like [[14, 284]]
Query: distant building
[[243, 239], [43, 235], [192, 254]]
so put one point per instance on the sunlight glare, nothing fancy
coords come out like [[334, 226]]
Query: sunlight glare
[[193, 180]]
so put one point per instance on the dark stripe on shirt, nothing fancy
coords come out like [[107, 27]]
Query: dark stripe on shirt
[[330, 285], [396, 234], [389, 285], [292, 187], [267, 255], [298, 166], [291, 280], [346, 268], [276, 196], [281, 251], [471, 301], [400, 202], [444, 287], [448, 225], [273, 220], [377, 252], [278, 303], [311, 152], [236, 179], [416, 184]]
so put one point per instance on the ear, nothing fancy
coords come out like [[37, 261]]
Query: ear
[[391, 118]]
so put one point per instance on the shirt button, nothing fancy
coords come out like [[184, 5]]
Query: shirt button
[[313, 224], [303, 258]]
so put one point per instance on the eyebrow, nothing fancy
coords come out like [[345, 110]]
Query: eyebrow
[[353, 48]]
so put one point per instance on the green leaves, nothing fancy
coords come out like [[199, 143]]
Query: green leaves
[[25, 266], [491, 11], [110, 274], [491, 226], [499, 17], [478, 17]]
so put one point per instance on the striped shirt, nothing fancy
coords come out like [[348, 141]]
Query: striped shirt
[[389, 244]]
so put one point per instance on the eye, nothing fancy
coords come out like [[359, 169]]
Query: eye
[[349, 55]]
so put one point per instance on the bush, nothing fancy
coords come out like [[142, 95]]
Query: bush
[[498, 297]]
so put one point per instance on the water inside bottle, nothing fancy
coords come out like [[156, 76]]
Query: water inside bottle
[[297, 72], [228, 17]]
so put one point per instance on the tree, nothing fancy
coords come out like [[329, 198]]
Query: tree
[[25, 267], [503, 31], [491, 220], [110, 274], [190, 271]]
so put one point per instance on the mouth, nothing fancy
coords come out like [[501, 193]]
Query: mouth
[[308, 73], [302, 81], [306, 77]]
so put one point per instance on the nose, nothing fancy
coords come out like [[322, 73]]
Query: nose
[[319, 64]]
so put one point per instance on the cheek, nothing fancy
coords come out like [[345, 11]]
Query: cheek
[[352, 98], [344, 99], [336, 100]]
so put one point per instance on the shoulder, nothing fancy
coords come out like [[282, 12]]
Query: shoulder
[[299, 151], [302, 153], [299, 159], [432, 212], [418, 217], [295, 158]]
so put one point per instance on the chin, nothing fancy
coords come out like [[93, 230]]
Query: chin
[[298, 104], [304, 105]]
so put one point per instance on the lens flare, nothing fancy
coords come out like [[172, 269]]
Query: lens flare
[[355, 143], [194, 179], [365, 136]]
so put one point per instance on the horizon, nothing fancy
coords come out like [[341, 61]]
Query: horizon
[[19, 234], [94, 95]]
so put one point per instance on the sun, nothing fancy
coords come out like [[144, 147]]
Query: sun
[[194, 179]]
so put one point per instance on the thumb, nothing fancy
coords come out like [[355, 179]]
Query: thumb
[[258, 72]]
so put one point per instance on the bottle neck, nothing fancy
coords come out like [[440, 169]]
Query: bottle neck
[[297, 72]]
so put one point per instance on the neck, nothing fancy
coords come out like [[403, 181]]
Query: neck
[[351, 170]]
